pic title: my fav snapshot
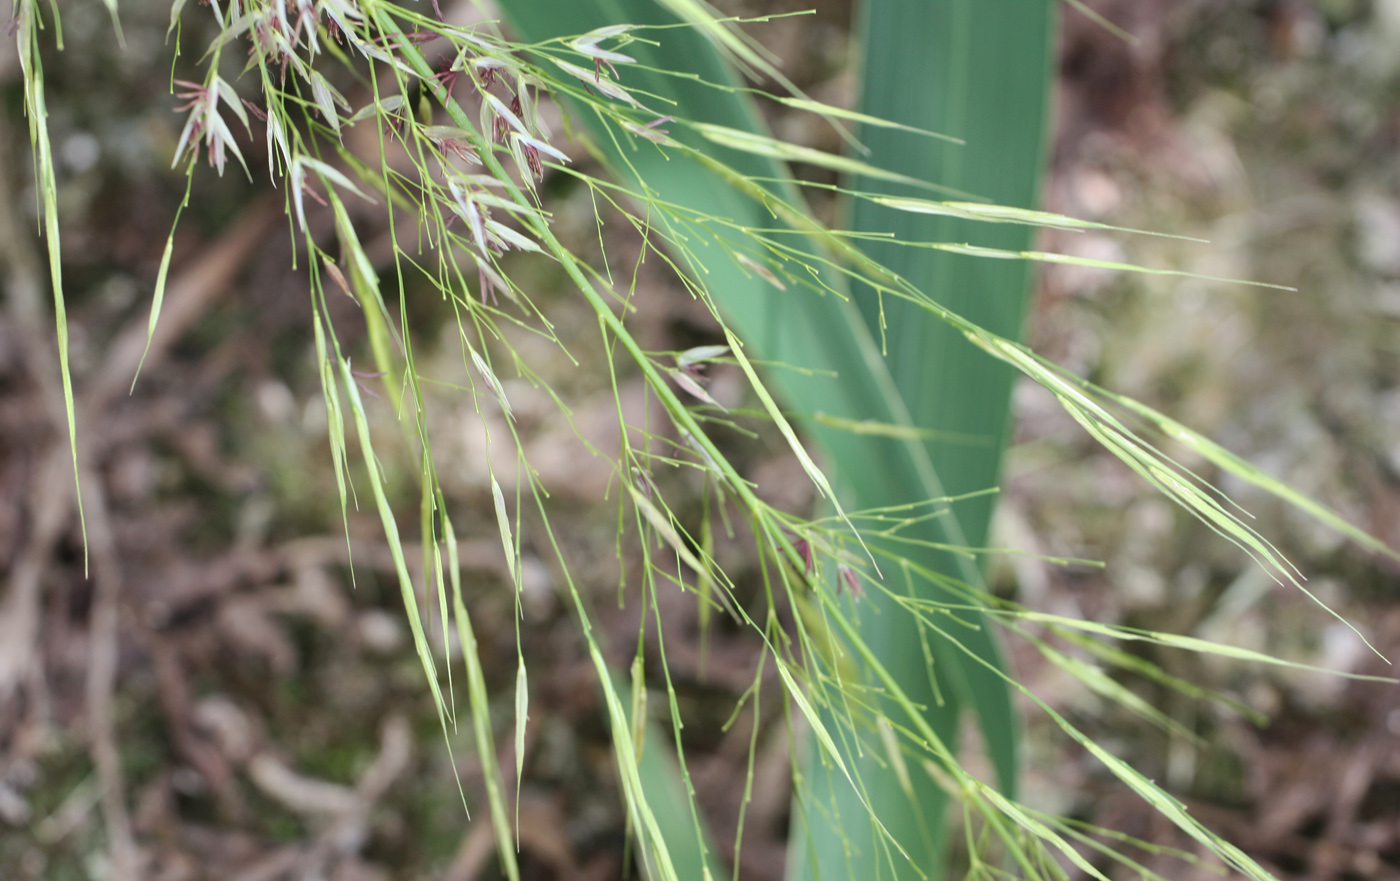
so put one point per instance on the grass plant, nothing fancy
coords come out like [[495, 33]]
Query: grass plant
[[875, 620]]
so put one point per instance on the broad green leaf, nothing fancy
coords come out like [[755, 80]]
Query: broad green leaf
[[839, 370], [982, 71]]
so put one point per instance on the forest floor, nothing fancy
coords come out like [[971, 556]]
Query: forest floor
[[209, 691]]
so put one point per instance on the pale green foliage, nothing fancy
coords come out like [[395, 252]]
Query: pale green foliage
[[459, 191]]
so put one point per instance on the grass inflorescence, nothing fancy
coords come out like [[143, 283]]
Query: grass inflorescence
[[453, 142]]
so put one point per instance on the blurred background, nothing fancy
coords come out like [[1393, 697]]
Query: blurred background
[[222, 696]]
